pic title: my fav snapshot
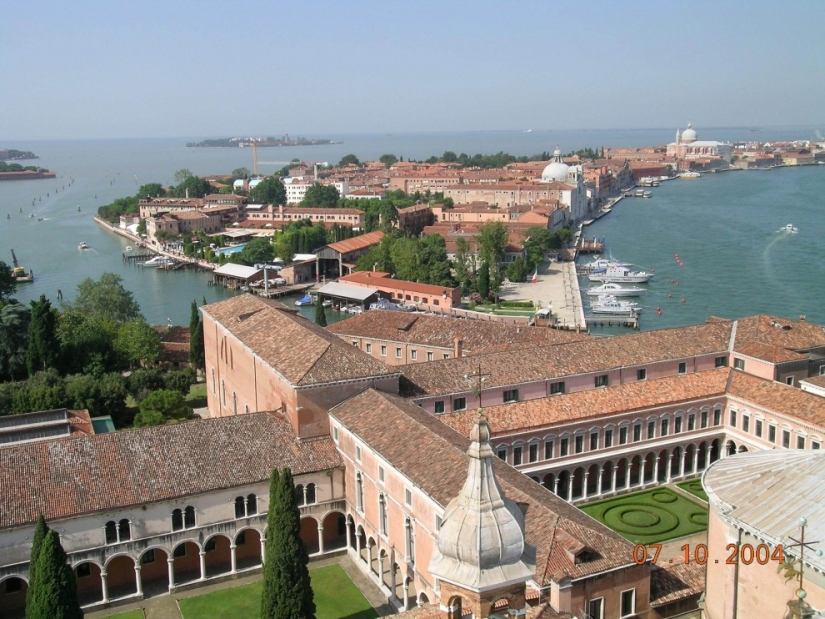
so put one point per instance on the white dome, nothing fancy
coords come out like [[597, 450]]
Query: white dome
[[689, 135], [556, 171]]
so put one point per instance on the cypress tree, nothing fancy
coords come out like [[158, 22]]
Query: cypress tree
[[54, 594], [196, 347], [320, 314], [40, 530], [43, 344], [287, 593]]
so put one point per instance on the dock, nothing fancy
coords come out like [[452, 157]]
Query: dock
[[592, 246], [282, 291], [133, 257], [611, 320]]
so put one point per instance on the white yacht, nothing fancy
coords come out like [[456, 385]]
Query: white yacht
[[608, 304], [615, 289], [690, 174], [788, 228], [620, 275]]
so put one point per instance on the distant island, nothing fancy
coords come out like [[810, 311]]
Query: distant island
[[16, 155], [262, 142]]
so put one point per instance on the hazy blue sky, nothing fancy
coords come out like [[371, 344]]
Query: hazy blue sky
[[114, 68]]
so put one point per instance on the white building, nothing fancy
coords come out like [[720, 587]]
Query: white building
[[569, 180], [687, 146], [296, 188]]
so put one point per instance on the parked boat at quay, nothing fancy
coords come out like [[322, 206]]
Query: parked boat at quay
[[305, 300], [615, 289], [608, 304], [620, 275]]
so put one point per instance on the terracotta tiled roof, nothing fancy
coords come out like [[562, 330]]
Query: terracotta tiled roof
[[594, 403], [779, 332], [61, 479], [768, 352], [442, 331], [357, 242], [587, 356], [390, 425], [781, 398], [299, 350], [675, 582], [371, 278], [817, 381]]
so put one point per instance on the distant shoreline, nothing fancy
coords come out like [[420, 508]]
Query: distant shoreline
[[233, 143]]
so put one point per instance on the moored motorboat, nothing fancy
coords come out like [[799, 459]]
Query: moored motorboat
[[615, 289], [789, 228], [605, 263], [305, 300], [83, 245], [608, 304], [620, 275], [690, 174]]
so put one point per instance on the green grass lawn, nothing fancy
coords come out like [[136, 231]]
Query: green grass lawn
[[650, 516], [694, 486], [197, 396], [336, 596]]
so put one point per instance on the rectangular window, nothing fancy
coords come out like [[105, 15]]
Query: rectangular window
[[622, 435], [549, 450], [746, 423], [641, 374], [516, 456], [446, 356], [717, 416], [439, 406], [721, 362], [397, 353], [704, 419], [564, 446], [691, 422], [677, 425], [511, 395], [429, 356], [556, 388], [608, 438], [733, 418], [601, 381], [594, 441], [595, 609], [665, 428], [383, 351], [651, 429], [628, 603], [758, 428], [772, 434], [358, 453], [814, 445], [414, 355], [682, 367], [459, 404], [786, 439], [355, 343], [502, 454], [380, 473], [408, 496], [335, 433], [533, 451], [739, 364], [789, 380], [579, 443], [637, 433], [800, 442], [368, 347]]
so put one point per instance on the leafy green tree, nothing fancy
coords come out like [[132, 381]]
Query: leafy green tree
[[14, 340], [170, 404], [182, 175], [55, 587], [43, 391], [258, 251], [464, 262], [517, 270], [405, 257], [7, 283], [44, 347], [144, 381], [104, 395], [145, 419], [105, 299], [85, 341], [40, 530], [238, 173], [137, 343], [492, 242], [321, 196], [268, 191], [150, 190], [141, 227], [348, 160], [193, 186], [484, 280], [180, 381], [320, 314], [388, 160], [287, 593]]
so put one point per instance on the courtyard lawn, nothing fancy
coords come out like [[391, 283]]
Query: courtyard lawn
[[650, 516], [336, 596], [694, 486]]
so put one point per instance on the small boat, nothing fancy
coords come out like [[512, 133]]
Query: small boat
[[648, 194], [690, 174], [158, 261], [789, 229], [606, 263], [608, 304], [640, 193], [305, 300], [83, 245], [620, 275], [327, 303], [615, 289]]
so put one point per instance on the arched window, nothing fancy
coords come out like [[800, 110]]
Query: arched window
[[124, 531], [234, 403], [240, 508], [189, 517], [177, 520], [409, 547], [251, 505], [214, 384], [223, 391], [299, 495], [382, 514], [310, 494], [111, 532]]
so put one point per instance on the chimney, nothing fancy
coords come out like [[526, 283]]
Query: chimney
[[458, 347], [281, 211]]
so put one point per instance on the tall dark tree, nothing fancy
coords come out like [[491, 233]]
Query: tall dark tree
[[54, 594], [40, 530], [324, 196], [14, 340], [287, 593], [7, 282], [194, 318], [320, 314], [484, 280], [268, 191]]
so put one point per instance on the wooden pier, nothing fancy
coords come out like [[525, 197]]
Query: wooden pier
[[133, 257], [593, 246], [282, 291], [613, 320]]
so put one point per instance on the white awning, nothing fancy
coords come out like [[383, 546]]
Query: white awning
[[237, 270], [344, 291]]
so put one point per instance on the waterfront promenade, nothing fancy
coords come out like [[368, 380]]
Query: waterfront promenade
[[557, 287]]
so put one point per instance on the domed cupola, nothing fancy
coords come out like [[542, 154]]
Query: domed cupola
[[688, 135], [481, 542], [557, 170]]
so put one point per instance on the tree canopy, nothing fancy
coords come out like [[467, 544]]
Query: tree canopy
[[44, 348], [321, 196], [348, 160], [258, 251], [268, 191], [54, 594], [7, 283], [14, 340], [388, 160], [161, 406], [105, 299]]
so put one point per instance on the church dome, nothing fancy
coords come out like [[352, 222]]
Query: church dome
[[688, 135], [557, 170]]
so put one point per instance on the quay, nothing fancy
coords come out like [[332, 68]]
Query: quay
[[594, 246]]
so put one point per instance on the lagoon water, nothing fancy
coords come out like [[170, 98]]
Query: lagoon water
[[722, 225]]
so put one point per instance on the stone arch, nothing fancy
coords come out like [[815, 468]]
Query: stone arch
[[715, 450], [577, 480], [247, 548], [372, 555], [89, 584], [351, 532], [564, 484], [154, 570], [455, 607], [676, 462], [549, 482], [218, 557], [410, 591], [690, 452], [385, 567], [742, 449], [422, 599], [120, 576], [334, 535], [635, 470], [362, 544], [186, 566], [663, 460], [13, 590], [309, 534], [702, 462], [649, 468], [607, 476], [622, 474], [592, 485], [730, 447], [535, 478]]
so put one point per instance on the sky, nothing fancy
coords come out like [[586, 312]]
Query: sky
[[176, 68]]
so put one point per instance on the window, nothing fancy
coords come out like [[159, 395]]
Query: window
[[310, 495], [559, 387], [786, 439], [665, 423], [739, 364], [459, 404], [358, 453], [721, 362], [409, 545], [594, 441], [533, 451], [717, 416], [383, 351], [429, 356], [382, 514], [800, 442], [183, 519], [408, 496], [789, 380], [240, 507], [746, 423], [758, 428], [516, 456], [549, 450], [601, 380], [772, 434], [682, 367], [214, 388], [608, 438], [223, 391], [359, 492], [439, 407], [438, 522], [84, 570], [641, 374], [628, 603], [814, 444], [733, 418], [622, 435], [691, 422], [595, 609], [511, 395], [446, 356], [241, 539], [703, 419], [564, 446], [355, 343], [111, 532], [579, 443], [651, 429], [335, 433], [414, 355], [502, 454], [148, 556], [637, 433], [380, 473], [397, 353], [677, 425], [369, 347], [180, 551]]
